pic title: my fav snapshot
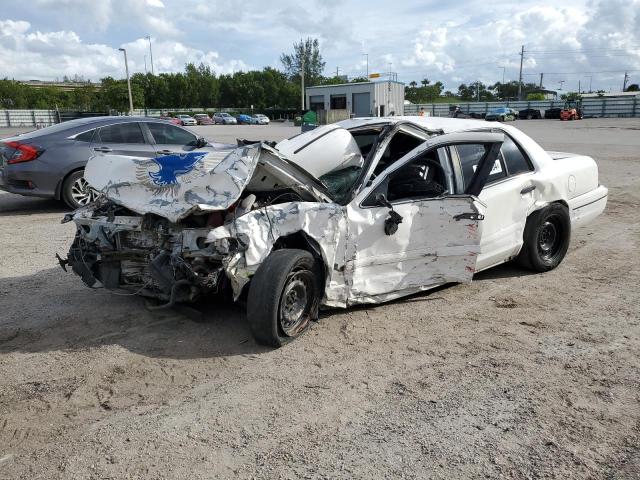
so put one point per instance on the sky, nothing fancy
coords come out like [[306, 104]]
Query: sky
[[592, 42]]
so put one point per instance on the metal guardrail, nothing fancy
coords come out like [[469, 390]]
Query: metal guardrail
[[28, 118], [592, 107]]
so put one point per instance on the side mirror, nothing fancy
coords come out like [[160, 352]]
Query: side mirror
[[393, 220], [381, 201], [201, 142]]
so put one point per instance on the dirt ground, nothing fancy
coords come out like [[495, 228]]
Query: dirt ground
[[516, 375]]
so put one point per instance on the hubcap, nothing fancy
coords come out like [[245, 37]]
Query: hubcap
[[82, 193], [548, 239], [296, 302]]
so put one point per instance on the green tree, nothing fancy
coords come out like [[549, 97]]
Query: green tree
[[634, 87], [115, 95], [307, 52], [534, 96]]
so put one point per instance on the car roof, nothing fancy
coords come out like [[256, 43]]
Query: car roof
[[446, 124], [81, 124]]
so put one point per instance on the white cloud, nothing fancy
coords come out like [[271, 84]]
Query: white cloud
[[27, 54], [449, 41]]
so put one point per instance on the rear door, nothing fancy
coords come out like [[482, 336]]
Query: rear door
[[170, 139], [122, 139], [509, 195]]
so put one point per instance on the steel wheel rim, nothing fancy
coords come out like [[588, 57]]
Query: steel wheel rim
[[296, 302], [549, 238], [82, 193]]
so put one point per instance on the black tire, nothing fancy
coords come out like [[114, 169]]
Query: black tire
[[71, 188], [284, 297], [547, 234]]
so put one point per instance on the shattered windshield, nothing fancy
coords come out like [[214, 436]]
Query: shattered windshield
[[342, 179], [332, 155]]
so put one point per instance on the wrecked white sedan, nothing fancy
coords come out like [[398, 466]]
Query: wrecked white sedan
[[363, 211]]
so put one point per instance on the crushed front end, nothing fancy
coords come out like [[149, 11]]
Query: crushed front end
[[145, 254]]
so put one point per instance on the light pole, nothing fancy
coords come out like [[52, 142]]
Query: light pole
[[148, 37], [302, 84], [126, 67], [590, 77], [367, 55]]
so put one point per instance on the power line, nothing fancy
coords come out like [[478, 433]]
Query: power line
[[582, 73]]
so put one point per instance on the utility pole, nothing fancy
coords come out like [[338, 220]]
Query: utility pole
[[520, 78], [367, 55], [579, 87], [148, 37], [126, 67], [302, 83], [541, 76], [478, 90], [337, 71], [590, 77], [503, 70], [561, 82], [624, 84]]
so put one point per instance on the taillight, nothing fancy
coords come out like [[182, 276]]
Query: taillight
[[22, 152]]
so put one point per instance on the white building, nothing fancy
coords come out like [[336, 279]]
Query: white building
[[364, 99]]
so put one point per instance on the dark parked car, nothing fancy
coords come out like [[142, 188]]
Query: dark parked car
[[203, 119], [530, 113], [50, 162], [501, 114], [553, 112]]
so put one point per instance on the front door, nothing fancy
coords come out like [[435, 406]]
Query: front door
[[409, 230]]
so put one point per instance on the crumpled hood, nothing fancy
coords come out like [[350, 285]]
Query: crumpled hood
[[174, 186]]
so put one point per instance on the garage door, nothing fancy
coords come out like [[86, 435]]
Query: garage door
[[362, 104]]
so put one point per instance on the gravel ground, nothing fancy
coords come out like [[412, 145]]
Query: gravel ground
[[516, 375]]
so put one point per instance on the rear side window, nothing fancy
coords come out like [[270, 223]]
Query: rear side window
[[167, 134], [470, 155], [122, 133], [514, 157], [86, 136]]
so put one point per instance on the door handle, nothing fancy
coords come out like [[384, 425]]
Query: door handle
[[165, 152], [469, 216], [103, 149], [528, 189]]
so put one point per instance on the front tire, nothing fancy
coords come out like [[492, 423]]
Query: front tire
[[76, 191], [284, 297], [547, 235]]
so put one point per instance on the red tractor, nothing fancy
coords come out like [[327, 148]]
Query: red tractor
[[571, 111]]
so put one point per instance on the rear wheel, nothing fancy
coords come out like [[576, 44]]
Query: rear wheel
[[76, 191], [283, 297], [547, 234]]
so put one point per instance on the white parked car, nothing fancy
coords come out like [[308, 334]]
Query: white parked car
[[261, 119], [363, 211], [187, 120]]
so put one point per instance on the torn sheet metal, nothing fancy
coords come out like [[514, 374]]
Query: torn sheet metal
[[174, 186], [260, 229]]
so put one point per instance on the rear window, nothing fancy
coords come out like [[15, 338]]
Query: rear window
[[122, 133], [515, 159], [470, 155], [86, 136]]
